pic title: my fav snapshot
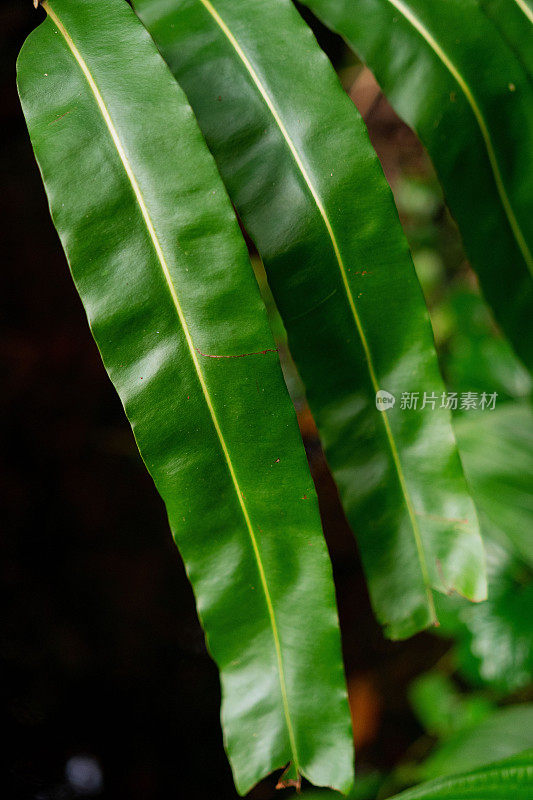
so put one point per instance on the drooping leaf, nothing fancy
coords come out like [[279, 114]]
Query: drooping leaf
[[163, 272], [449, 74], [514, 20], [307, 184], [473, 354]]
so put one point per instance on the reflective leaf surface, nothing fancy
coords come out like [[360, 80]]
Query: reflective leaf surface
[[163, 272], [450, 74], [309, 189]]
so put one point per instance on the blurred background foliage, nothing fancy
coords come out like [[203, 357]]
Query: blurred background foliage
[[108, 690]]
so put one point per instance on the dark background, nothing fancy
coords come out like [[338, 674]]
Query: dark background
[[102, 653]]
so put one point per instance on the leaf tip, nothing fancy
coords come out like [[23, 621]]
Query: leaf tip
[[290, 777]]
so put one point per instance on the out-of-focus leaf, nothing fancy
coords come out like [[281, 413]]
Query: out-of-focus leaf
[[497, 452], [505, 733], [449, 74], [494, 640], [496, 645], [163, 272], [442, 709], [514, 20], [308, 186], [510, 779], [476, 357], [366, 788]]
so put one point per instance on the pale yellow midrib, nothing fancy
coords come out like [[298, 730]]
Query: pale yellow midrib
[[523, 246], [525, 8], [161, 257], [390, 436]]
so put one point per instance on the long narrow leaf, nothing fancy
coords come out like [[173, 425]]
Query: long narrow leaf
[[163, 272], [450, 75], [301, 171]]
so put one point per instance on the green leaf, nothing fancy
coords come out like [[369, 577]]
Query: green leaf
[[514, 20], [308, 186], [503, 780], [163, 272], [476, 358], [506, 732], [497, 452], [494, 640], [441, 708], [496, 647], [511, 778], [366, 788], [449, 74]]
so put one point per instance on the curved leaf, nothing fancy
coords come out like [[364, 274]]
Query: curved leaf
[[512, 777], [450, 76], [506, 732], [307, 184], [514, 20], [163, 272]]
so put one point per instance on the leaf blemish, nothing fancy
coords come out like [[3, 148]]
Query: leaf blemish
[[238, 355]]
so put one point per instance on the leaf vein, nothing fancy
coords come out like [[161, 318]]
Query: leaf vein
[[366, 348], [192, 349], [480, 119]]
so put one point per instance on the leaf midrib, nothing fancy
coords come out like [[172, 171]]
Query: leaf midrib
[[192, 351], [421, 29], [360, 330], [526, 10]]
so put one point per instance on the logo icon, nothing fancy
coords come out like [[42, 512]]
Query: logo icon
[[384, 400]]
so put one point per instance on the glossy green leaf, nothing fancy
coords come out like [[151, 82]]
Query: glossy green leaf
[[514, 20], [449, 74], [505, 733], [163, 272], [308, 186]]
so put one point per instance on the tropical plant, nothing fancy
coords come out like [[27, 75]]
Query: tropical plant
[[511, 777], [142, 161]]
